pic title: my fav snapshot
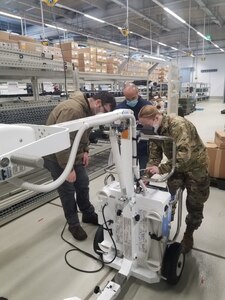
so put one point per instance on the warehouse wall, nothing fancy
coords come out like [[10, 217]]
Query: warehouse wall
[[215, 79]]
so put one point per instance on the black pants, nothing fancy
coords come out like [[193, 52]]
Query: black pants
[[72, 194]]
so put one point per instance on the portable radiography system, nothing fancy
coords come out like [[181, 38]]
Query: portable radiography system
[[134, 232]]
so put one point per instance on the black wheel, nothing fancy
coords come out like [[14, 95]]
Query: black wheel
[[98, 239], [173, 263]]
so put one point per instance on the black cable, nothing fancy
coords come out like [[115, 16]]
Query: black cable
[[75, 248], [110, 234]]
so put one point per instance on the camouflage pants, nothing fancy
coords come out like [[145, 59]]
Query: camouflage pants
[[197, 186]]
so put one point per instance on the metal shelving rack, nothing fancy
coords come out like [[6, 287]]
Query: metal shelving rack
[[36, 68]]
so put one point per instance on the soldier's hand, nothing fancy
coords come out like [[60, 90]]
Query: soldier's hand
[[153, 170]]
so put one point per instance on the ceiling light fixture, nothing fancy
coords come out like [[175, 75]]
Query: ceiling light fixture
[[174, 15], [10, 15], [133, 48], [114, 43], [154, 57], [52, 26], [221, 50], [162, 44], [174, 48], [93, 18], [184, 22]]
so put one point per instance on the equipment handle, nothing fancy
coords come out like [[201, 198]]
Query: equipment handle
[[30, 161]]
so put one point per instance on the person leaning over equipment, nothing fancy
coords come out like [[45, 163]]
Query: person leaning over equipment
[[76, 107], [191, 170], [135, 102]]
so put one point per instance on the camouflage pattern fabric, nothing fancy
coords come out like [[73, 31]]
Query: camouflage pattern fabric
[[191, 169]]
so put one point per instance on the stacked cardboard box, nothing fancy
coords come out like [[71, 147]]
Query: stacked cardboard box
[[159, 75], [87, 59], [27, 44], [68, 51], [112, 64], [216, 153]]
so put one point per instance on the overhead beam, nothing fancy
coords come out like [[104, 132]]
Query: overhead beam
[[97, 3], [208, 12], [141, 15]]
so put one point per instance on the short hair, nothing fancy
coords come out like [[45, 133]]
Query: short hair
[[148, 111], [130, 86], [106, 98]]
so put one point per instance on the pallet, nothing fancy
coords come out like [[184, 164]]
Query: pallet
[[217, 182]]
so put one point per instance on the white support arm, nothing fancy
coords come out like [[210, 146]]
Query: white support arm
[[42, 146]]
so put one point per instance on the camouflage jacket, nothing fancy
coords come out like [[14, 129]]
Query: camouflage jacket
[[191, 153]]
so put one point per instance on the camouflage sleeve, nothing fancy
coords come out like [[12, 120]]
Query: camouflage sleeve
[[183, 139], [156, 154]]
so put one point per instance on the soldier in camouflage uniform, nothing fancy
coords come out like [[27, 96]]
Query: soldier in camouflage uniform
[[191, 169]]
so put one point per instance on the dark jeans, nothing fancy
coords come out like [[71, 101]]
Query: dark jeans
[[72, 194]]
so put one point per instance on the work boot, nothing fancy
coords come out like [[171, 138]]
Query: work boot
[[187, 241], [78, 232], [90, 218]]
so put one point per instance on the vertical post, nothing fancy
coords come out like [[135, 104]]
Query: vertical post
[[34, 82], [21, 22], [76, 82], [42, 20], [25, 27]]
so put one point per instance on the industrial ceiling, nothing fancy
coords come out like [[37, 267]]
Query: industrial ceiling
[[152, 26]]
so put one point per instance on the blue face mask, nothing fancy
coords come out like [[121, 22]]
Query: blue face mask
[[132, 103]]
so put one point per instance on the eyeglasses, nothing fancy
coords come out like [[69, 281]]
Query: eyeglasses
[[104, 109]]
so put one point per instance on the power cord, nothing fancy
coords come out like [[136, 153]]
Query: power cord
[[75, 248]]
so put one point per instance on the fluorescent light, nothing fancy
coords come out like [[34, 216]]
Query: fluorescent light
[[114, 43], [216, 45], [133, 48], [202, 35], [154, 57], [221, 50], [162, 44], [174, 48], [52, 26], [174, 15], [9, 15], [119, 28], [93, 18]]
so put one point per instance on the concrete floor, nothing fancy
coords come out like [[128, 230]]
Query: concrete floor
[[32, 265]]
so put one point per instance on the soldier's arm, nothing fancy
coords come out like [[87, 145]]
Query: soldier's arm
[[156, 154], [182, 139]]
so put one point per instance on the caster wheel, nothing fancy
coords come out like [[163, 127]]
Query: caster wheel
[[173, 263]]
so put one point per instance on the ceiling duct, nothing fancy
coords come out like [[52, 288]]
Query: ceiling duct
[[208, 12]]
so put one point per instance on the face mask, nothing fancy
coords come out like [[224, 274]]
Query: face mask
[[156, 127], [132, 103]]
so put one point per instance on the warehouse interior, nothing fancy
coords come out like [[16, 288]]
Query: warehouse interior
[[174, 52]]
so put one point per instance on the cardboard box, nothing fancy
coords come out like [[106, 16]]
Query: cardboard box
[[17, 38], [68, 46], [4, 35], [220, 139], [90, 50], [216, 160], [31, 47]]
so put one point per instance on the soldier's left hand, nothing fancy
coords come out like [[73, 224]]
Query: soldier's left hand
[[153, 170]]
